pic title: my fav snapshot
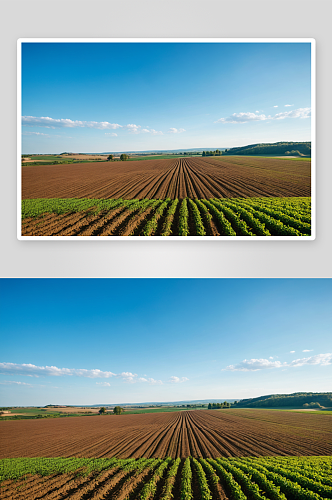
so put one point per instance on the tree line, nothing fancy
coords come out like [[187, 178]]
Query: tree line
[[117, 410], [218, 406], [217, 152], [123, 157]]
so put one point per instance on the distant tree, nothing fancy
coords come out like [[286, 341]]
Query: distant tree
[[209, 406], [117, 410], [312, 405], [102, 410], [124, 157], [110, 158], [203, 154]]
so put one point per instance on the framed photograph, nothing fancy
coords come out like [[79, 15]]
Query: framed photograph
[[190, 139]]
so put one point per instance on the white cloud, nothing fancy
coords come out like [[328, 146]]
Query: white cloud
[[288, 105], [38, 133], [318, 359], [46, 121], [307, 350], [154, 382], [151, 131], [253, 365], [52, 371], [173, 130], [10, 382], [242, 118], [128, 377], [252, 117], [177, 380], [275, 106], [271, 357], [132, 128], [295, 113], [261, 364], [292, 352], [112, 134]]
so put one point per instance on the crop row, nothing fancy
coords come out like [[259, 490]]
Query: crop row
[[187, 217], [265, 478]]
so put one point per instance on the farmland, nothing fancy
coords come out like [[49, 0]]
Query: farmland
[[188, 455], [183, 479], [214, 196], [229, 177], [201, 433], [214, 217]]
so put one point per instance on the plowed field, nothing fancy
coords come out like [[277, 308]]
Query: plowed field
[[179, 178], [225, 433]]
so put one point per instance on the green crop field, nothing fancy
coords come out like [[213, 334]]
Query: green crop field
[[264, 478], [187, 217]]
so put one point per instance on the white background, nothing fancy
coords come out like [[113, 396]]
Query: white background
[[165, 18]]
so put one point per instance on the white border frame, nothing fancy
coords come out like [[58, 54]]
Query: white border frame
[[312, 41]]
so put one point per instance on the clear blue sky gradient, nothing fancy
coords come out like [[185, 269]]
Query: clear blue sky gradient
[[163, 86], [163, 328]]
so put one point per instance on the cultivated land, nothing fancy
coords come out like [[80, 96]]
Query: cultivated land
[[214, 196], [228, 177], [202, 433], [153, 479], [214, 217]]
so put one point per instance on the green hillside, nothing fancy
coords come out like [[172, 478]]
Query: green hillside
[[277, 148], [305, 399]]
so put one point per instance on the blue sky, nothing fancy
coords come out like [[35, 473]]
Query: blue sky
[[100, 97], [99, 341]]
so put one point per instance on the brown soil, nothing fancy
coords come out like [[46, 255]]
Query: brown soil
[[197, 433], [174, 178]]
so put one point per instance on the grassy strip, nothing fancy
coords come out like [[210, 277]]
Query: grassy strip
[[152, 225], [202, 481], [170, 480], [291, 221], [232, 487], [204, 212], [305, 482], [225, 225], [209, 470], [14, 468], [253, 223], [278, 485], [186, 480], [39, 206], [275, 226], [149, 489], [183, 219], [250, 488], [239, 225], [166, 230], [200, 230]]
